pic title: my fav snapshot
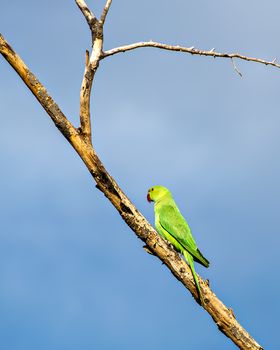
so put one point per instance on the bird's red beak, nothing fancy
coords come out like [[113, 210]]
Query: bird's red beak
[[148, 197]]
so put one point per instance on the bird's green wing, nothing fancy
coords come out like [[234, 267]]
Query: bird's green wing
[[174, 223]]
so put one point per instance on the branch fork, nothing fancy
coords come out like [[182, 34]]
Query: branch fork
[[91, 65]]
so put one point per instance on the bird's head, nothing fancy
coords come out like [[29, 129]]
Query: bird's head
[[155, 193]]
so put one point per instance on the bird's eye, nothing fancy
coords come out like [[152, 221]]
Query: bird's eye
[[152, 189]]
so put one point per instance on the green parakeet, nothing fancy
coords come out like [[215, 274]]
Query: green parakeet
[[171, 225]]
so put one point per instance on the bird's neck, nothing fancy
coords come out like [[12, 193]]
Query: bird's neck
[[163, 199]]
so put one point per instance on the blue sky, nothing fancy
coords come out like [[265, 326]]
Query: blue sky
[[72, 274]]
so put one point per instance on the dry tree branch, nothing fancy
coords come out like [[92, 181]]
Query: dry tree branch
[[190, 50], [38, 90], [91, 65], [88, 14], [105, 11], [85, 100], [79, 139]]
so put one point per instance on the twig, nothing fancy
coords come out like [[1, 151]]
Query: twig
[[190, 50], [235, 68], [105, 11]]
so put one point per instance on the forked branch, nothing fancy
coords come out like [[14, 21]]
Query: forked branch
[[91, 65], [80, 140]]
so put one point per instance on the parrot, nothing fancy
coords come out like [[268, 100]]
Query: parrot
[[171, 225]]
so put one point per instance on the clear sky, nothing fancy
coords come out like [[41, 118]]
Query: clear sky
[[72, 274]]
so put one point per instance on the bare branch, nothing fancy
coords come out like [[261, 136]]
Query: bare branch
[[85, 100], [89, 15], [190, 50], [91, 66], [38, 90], [105, 11]]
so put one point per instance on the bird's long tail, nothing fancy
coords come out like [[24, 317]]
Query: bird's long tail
[[189, 259]]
